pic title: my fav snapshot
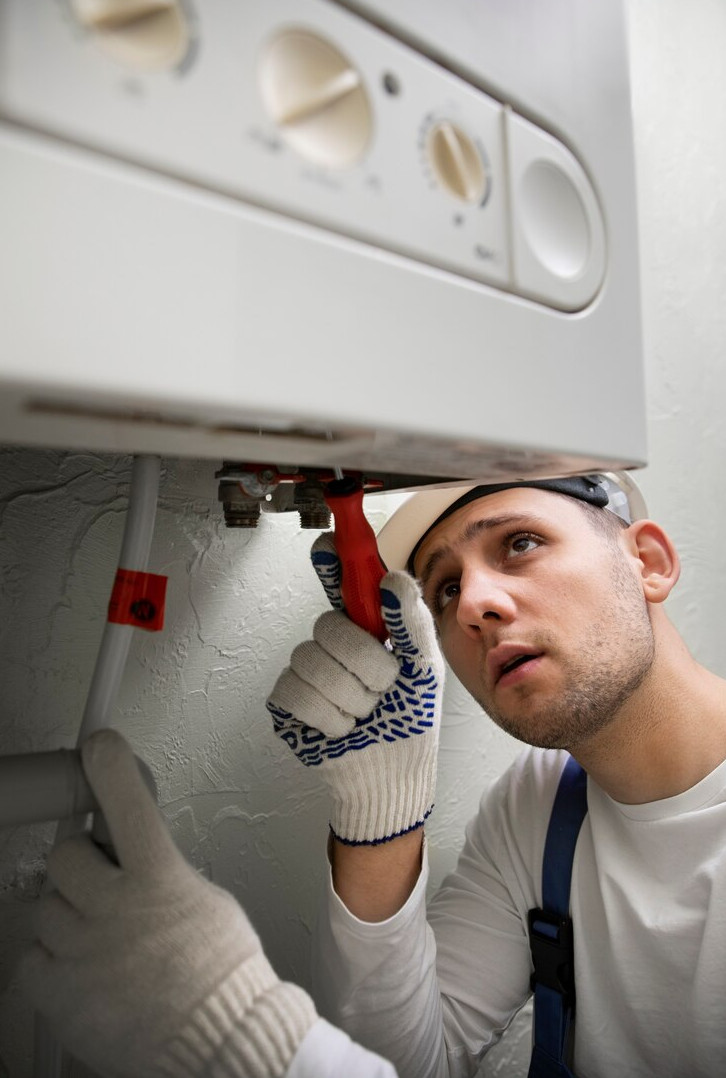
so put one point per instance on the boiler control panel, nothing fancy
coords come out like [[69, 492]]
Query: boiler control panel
[[302, 107]]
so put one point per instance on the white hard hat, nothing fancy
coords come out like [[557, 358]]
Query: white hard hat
[[400, 536]]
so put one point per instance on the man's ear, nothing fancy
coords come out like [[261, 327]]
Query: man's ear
[[660, 565]]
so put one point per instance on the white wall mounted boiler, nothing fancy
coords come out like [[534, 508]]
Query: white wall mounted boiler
[[395, 236]]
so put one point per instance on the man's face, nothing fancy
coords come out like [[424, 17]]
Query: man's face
[[541, 616]]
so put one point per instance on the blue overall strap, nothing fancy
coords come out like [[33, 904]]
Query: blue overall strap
[[550, 930]]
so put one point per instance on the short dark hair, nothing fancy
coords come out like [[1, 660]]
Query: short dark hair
[[604, 521]]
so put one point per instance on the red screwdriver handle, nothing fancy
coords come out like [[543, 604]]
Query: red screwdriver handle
[[360, 563]]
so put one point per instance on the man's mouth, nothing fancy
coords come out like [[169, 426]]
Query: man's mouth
[[505, 659], [514, 663]]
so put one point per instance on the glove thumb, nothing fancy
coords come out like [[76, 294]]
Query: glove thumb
[[325, 563], [409, 621]]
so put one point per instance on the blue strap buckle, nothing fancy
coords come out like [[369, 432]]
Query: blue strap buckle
[[553, 953]]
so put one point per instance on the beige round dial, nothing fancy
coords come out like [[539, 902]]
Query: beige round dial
[[316, 97], [456, 162], [148, 35]]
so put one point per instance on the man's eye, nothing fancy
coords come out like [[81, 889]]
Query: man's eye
[[522, 543], [443, 595]]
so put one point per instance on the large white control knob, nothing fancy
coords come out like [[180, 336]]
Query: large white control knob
[[150, 35], [317, 98], [456, 162], [558, 230]]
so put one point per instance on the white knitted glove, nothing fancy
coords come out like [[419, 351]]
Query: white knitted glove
[[366, 715], [144, 969]]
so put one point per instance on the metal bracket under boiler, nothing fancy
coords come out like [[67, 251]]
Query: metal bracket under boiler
[[246, 490]]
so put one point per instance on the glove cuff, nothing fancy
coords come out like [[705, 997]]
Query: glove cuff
[[250, 1027], [383, 793]]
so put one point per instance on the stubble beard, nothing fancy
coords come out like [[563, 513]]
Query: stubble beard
[[612, 662]]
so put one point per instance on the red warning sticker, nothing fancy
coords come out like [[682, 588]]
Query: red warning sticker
[[138, 599]]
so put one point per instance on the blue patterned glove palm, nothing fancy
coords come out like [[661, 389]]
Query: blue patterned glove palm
[[366, 714]]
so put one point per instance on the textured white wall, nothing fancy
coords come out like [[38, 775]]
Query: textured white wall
[[193, 699], [679, 90]]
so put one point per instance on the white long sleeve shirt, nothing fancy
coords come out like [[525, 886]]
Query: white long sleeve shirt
[[327, 1052], [648, 903]]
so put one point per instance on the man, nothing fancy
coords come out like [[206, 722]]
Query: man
[[550, 611]]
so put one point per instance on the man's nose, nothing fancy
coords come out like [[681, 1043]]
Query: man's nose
[[484, 599]]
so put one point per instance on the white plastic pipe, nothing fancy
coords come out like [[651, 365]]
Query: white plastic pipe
[[50, 1061], [43, 786], [116, 639], [40, 786]]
